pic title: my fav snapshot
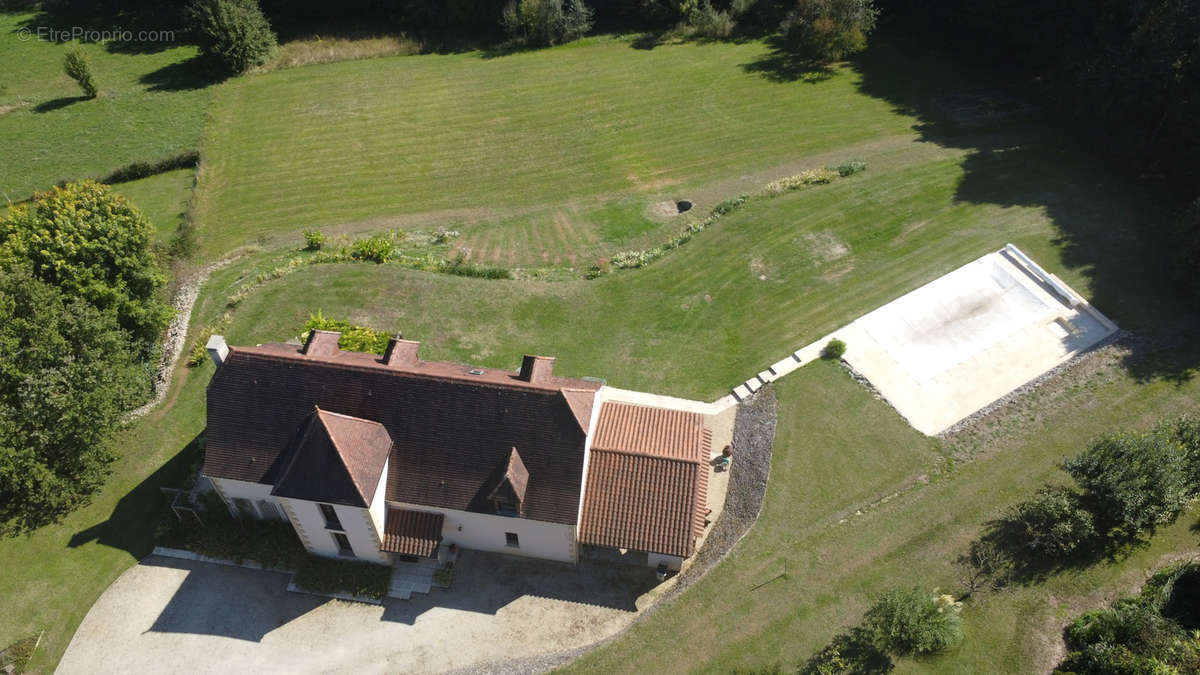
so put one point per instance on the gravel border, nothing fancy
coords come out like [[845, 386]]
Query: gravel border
[[753, 436], [172, 347]]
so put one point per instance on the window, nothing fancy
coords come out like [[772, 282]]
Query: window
[[511, 539], [343, 544], [331, 517], [269, 510]]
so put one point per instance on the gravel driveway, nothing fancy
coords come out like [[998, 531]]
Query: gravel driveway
[[167, 616]]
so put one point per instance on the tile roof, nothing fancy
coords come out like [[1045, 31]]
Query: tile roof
[[412, 532], [452, 429], [337, 459], [647, 482], [511, 486]]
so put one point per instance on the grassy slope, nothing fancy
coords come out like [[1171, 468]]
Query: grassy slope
[[151, 105], [382, 138], [163, 198]]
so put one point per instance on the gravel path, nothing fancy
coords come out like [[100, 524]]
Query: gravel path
[[183, 302], [753, 434]]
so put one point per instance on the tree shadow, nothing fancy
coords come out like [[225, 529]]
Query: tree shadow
[[1112, 230], [851, 652], [111, 22], [782, 63], [58, 103], [130, 527], [197, 72]]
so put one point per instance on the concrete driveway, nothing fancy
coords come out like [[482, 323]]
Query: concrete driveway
[[166, 616]]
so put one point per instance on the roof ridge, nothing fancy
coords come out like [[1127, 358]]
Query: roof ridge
[[337, 450], [643, 453], [522, 386]]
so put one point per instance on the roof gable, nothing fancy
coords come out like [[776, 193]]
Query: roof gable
[[337, 459], [511, 486]]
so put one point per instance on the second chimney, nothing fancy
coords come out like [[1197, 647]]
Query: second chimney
[[401, 353], [537, 368]]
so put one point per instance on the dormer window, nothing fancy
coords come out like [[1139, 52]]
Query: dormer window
[[509, 494]]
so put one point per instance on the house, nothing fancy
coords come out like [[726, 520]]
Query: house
[[392, 458]]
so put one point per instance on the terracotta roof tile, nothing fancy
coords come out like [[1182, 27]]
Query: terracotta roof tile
[[337, 459], [452, 431], [412, 532], [647, 483]]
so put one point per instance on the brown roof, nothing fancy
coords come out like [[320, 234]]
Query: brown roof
[[336, 459], [647, 482], [412, 532], [511, 487], [452, 429]]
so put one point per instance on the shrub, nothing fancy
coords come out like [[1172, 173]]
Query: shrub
[[834, 350], [914, 622], [542, 23], [314, 240], [479, 271], [93, 244], [75, 65], [1185, 431], [270, 543], [730, 205], [329, 576], [1134, 481], [138, 170], [234, 31], [848, 168], [804, 178], [709, 22], [827, 30], [1052, 524], [443, 236], [354, 338], [379, 248]]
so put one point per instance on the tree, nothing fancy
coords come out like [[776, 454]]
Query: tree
[[541, 23], [1185, 431], [827, 30], [234, 31], [1051, 524], [66, 377], [93, 244], [1133, 481], [75, 65], [913, 621]]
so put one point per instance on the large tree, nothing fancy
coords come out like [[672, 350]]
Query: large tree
[[67, 375], [93, 244], [827, 30]]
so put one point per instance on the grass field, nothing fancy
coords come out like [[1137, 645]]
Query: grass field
[[151, 105], [163, 198], [559, 156], [484, 139]]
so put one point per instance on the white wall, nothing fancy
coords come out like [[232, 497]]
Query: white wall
[[673, 562], [379, 503], [356, 523], [485, 532], [230, 489]]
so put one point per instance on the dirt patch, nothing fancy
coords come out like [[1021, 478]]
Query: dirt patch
[[662, 210], [824, 246], [838, 272]]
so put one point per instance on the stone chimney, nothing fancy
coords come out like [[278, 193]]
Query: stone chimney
[[537, 368], [322, 343], [401, 353], [218, 351]]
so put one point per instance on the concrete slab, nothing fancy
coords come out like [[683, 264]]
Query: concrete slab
[[951, 347]]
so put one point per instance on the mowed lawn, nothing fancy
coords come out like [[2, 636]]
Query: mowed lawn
[[151, 105], [469, 138]]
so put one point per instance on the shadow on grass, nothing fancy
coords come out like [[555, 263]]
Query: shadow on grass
[[1112, 230], [784, 64], [58, 103], [849, 652], [197, 72], [131, 525], [151, 27]]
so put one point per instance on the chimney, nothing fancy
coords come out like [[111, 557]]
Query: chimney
[[537, 368], [400, 352], [321, 343], [218, 351]]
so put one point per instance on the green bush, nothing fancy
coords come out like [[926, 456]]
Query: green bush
[[354, 338], [802, 179], [1133, 481], [93, 244], [270, 543], [706, 21], [542, 23], [75, 65], [730, 205], [138, 170], [848, 168], [234, 31], [479, 271], [914, 622], [378, 249], [1052, 524], [834, 350], [314, 240], [329, 576], [827, 30]]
